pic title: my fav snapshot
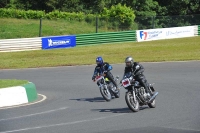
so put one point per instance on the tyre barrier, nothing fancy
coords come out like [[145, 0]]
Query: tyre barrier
[[17, 95]]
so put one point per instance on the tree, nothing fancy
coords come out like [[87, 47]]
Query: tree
[[120, 16], [145, 11], [180, 7], [179, 12]]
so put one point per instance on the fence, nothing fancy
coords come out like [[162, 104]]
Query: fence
[[108, 37], [152, 22], [22, 28]]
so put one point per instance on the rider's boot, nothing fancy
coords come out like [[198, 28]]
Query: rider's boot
[[152, 95]]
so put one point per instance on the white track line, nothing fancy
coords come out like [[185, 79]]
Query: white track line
[[186, 129], [45, 112], [43, 98], [60, 124]]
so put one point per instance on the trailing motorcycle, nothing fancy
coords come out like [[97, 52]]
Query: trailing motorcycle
[[107, 89], [136, 95]]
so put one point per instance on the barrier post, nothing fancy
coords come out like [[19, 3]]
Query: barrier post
[[40, 30], [97, 24]]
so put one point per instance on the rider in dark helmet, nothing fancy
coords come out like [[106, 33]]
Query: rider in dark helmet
[[104, 68], [137, 72]]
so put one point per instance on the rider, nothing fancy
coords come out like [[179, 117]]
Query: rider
[[104, 68], [137, 72]]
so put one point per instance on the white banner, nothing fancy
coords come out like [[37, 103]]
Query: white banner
[[165, 33], [179, 32]]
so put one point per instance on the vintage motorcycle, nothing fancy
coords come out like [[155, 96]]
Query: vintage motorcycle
[[107, 89], [136, 95]]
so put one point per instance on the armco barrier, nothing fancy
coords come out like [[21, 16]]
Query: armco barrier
[[199, 30], [25, 44], [108, 37], [20, 44]]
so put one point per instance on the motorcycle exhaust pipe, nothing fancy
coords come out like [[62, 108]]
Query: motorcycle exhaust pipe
[[153, 97]]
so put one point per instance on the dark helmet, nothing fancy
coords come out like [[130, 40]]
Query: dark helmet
[[129, 61], [99, 60]]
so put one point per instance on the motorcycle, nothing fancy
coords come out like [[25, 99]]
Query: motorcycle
[[136, 95], [107, 88]]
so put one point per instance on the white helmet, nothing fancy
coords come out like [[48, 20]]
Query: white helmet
[[129, 61]]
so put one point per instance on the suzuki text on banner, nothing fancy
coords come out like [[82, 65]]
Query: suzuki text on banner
[[58, 42]]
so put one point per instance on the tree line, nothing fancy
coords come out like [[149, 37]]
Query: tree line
[[146, 13], [141, 7]]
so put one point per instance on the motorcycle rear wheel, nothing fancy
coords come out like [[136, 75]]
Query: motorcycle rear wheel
[[152, 104], [134, 106], [116, 93]]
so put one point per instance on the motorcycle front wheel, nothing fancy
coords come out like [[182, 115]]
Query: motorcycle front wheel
[[132, 104], [106, 94]]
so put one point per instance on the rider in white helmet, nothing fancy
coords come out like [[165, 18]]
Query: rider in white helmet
[[138, 73]]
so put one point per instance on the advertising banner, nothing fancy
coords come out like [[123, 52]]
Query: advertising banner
[[165, 33], [179, 32], [151, 34], [58, 42]]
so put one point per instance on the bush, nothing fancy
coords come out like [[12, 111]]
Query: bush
[[14, 13], [120, 16], [117, 17]]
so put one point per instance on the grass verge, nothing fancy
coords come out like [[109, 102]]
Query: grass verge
[[11, 82], [152, 51]]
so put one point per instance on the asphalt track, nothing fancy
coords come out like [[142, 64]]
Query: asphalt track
[[73, 102]]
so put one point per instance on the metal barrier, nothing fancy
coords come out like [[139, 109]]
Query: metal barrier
[[106, 37], [199, 30], [196, 30], [26, 44], [21, 44]]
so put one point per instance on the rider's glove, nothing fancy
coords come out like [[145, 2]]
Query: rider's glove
[[93, 77]]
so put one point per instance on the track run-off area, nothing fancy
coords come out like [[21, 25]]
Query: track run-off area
[[70, 102]]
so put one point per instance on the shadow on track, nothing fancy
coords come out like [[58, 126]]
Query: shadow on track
[[95, 99], [118, 110]]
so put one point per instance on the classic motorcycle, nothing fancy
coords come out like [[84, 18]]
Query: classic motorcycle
[[107, 89], [136, 95]]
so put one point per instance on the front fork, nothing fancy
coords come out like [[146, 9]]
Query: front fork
[[133, 93]]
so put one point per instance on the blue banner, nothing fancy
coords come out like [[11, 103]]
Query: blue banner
[[58, 42]]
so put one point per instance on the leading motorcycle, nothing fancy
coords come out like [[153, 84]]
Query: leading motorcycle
[[136, 95]]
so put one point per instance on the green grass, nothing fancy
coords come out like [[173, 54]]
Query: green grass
[[22, 28], [152, 51], [10, 83]]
